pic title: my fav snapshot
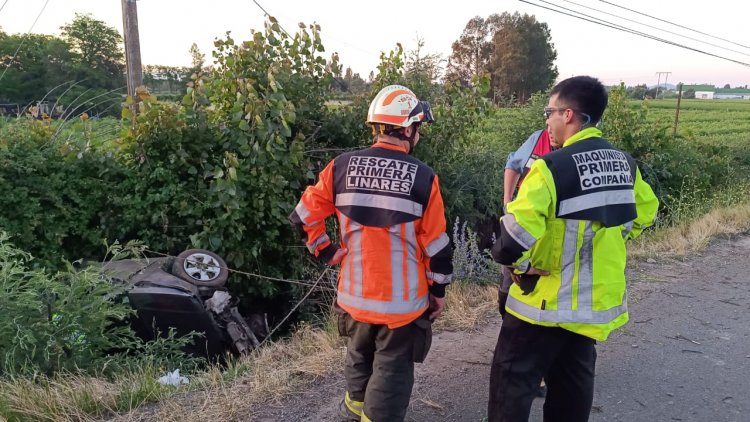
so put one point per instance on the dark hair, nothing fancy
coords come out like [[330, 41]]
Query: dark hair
[[583, 94]]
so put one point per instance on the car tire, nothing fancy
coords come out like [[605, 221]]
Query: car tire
[[201, 267]]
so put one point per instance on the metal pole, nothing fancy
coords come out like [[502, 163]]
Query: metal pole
[[658, 82], [677, 113]]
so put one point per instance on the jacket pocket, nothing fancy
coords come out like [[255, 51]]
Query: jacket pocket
[[422, 339]]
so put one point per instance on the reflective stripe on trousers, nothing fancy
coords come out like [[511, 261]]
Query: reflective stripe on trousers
[[564, 313]]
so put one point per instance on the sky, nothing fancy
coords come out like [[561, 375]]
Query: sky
[[358, 31]]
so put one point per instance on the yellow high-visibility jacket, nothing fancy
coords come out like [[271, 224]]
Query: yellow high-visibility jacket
[[572, 217]]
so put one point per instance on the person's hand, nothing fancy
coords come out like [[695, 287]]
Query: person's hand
[[338, 256], [532, 271], [437, 304]]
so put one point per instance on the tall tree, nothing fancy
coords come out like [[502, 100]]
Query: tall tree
[[522, 59], [422, 71], [471, 52], [99, 48], [99, 68], [35, 70]]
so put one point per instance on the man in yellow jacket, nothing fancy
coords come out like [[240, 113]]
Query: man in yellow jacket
[[564, 237]]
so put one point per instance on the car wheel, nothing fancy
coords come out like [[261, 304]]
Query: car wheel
[[201, 267]]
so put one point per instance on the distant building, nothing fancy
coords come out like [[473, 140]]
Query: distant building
[[702, 92], [732, 94], [710, 92], [704, 95]]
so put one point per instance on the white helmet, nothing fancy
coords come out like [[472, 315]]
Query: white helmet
[[396, 105]]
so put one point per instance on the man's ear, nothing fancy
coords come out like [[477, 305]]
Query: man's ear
[[569, 117]]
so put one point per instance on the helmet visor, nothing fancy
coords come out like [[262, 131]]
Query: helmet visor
[[424, 108]]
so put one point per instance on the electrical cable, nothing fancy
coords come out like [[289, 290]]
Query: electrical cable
[[657, 28], [629, 30], [675, 24]]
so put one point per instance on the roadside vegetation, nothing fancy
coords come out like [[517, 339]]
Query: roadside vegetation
[[222, 169]]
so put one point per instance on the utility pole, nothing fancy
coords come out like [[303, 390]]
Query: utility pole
[[132, 46], [677, 113], [658, 82]]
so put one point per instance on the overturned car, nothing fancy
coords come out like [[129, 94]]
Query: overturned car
[[188, 293]]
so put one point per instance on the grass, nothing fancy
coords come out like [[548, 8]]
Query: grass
[[723, 122], [693, 235], [467, 306], [72, 397]]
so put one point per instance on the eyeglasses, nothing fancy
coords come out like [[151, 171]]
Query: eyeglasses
[[549, 110]]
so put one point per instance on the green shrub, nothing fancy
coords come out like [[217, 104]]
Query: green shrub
[[55, 322], [56, 192], [70, 321]]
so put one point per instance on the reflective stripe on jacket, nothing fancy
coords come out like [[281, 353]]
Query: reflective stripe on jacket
[[585, 291], [392, 221]]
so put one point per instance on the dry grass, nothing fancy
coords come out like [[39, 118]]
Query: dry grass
[[266, 376], [692, 236], [467, 305], [64, 399]]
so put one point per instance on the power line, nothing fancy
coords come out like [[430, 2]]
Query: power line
[[628, 30], [675, 24], [269, 15], [23, 40], [657, 28], [3, 6]]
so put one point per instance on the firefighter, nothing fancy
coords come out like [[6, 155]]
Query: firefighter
[[395, 256], [564, 236]]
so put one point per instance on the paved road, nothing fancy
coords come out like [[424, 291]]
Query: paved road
[[685, 355]]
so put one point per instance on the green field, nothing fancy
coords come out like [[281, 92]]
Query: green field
[[721, 122]]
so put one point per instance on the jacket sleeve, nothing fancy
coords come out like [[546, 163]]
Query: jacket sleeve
[[526, 220], [517, 159], [646, 204], [311, 212], [435, 243]]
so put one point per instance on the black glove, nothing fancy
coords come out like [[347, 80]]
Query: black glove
[[526, 282], [502, 297]]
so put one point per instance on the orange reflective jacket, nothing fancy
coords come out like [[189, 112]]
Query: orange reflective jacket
[[392, 221]]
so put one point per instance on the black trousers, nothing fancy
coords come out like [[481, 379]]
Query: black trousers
[[379, 367], [526, 353]]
